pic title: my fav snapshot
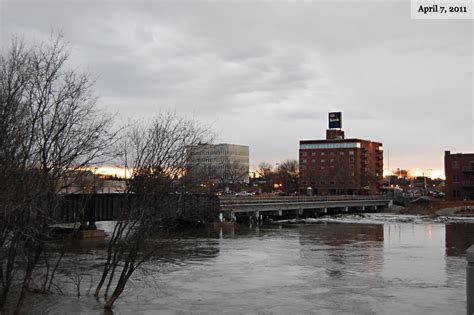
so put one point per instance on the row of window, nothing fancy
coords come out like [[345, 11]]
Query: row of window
[[305, 153], [352, 182], [456, 164], [342, 145], [322, 167], [303, 161], [457, 179]]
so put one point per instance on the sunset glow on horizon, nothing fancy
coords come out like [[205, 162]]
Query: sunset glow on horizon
[[121, 172]]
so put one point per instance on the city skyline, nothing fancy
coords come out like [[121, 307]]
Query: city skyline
[[266, 74]]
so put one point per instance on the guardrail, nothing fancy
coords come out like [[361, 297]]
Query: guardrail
[[270, 198]]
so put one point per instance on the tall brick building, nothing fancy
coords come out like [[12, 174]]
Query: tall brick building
[[337, 166], [459, 172]]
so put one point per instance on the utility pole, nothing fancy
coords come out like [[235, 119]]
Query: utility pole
[[388, 167]]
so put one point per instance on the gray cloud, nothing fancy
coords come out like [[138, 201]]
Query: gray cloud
[[266, 73]]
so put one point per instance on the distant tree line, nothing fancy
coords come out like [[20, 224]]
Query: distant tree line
[[283, 177]]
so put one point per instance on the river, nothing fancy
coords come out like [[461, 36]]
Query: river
[[369, 264]]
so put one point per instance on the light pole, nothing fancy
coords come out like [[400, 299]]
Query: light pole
[[424, 178]]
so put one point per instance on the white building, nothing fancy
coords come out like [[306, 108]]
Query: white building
[[219, 163]]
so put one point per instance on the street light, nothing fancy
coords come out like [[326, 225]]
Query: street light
[[424, 178]]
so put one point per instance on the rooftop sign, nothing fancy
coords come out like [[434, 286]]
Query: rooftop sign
[[335, 120]]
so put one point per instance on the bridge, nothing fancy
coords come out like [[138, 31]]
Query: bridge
[[255, 206], [104, 207], [90, 208]]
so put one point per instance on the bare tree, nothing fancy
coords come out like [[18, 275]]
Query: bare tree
[[264, 169], [267, 175], [53, 128], [233, 173], [288, 173], [156, 156]]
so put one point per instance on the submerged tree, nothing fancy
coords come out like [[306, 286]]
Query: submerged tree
[[51, 127], [156, 156]]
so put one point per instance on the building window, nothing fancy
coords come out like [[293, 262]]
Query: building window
[[351, 160], [456, 193], [332, 182], [455, 164], [322, 182], [332, 153], [303, 167], [323, 160], [341, 153], [322, 153], [313, 161], [303, 153], [332, 161], [456, 179], [322, 167], [339, 145], [303, 161], [471, 165], [313, 153], [351, 152]]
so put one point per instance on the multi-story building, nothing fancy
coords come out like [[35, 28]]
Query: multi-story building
[[337, 166], [219, 163], [459, 172]]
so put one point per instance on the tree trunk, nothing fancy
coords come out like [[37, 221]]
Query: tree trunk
[[32, 261], [9, 269]]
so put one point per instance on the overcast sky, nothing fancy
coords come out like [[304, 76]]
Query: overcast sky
[[265, 74]]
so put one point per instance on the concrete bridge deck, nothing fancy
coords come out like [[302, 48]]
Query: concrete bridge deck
[[274, 205], [100, 207]]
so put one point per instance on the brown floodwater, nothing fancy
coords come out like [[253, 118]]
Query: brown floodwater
[[369, 264]]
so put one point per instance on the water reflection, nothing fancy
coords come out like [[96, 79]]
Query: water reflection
[[458, 238], [358, 268]]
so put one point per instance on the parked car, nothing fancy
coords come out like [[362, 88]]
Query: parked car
[[243, 194]]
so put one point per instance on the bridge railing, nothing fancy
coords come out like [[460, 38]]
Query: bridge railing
[[270, 198], [109, 207]]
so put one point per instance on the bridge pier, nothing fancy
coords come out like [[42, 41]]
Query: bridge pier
[[258, 217], [88, 225]]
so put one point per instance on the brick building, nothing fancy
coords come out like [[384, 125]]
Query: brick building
[[337, 166], [459, 172]]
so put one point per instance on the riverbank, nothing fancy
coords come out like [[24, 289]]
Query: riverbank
[[435, 208]]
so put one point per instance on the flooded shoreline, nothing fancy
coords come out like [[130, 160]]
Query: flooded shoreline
[[381, 218], [355, 264]]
